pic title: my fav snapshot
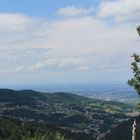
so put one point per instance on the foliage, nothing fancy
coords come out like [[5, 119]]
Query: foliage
[[138, 29], [124, 131], [17, 130], [135, 80]]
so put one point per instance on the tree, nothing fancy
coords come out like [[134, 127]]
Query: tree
[[135, 66], [138, 29]]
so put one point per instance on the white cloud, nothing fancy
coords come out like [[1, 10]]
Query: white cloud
[[76, 45], [66, 63], [72, 11], [87, 35], [14, 22], [121, 10], [97, 62]]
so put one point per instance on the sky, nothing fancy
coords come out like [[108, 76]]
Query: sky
[[67, 41]]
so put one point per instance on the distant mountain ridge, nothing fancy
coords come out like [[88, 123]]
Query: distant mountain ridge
[[114, 91]]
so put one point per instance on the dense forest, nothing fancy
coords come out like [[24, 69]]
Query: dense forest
[[124, 131], [13, 129], [17, 130]]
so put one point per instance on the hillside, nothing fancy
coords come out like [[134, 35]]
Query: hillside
[[11, 129], [77, 114], [16, 130], [123, 131]]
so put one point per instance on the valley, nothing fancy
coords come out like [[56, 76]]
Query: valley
[[92, 118]]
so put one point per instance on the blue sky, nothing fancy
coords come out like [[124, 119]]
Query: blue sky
[[41, 8], [66, 41]]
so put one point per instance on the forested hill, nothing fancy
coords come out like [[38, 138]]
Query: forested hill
[[77, 114], [30, 97], [17, 130], [124, 131]]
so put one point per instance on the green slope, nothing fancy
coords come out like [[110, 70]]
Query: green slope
[[124, 131], [16, 130]]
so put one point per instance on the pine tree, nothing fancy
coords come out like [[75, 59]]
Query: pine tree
[[135, 66], [135, 81]]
